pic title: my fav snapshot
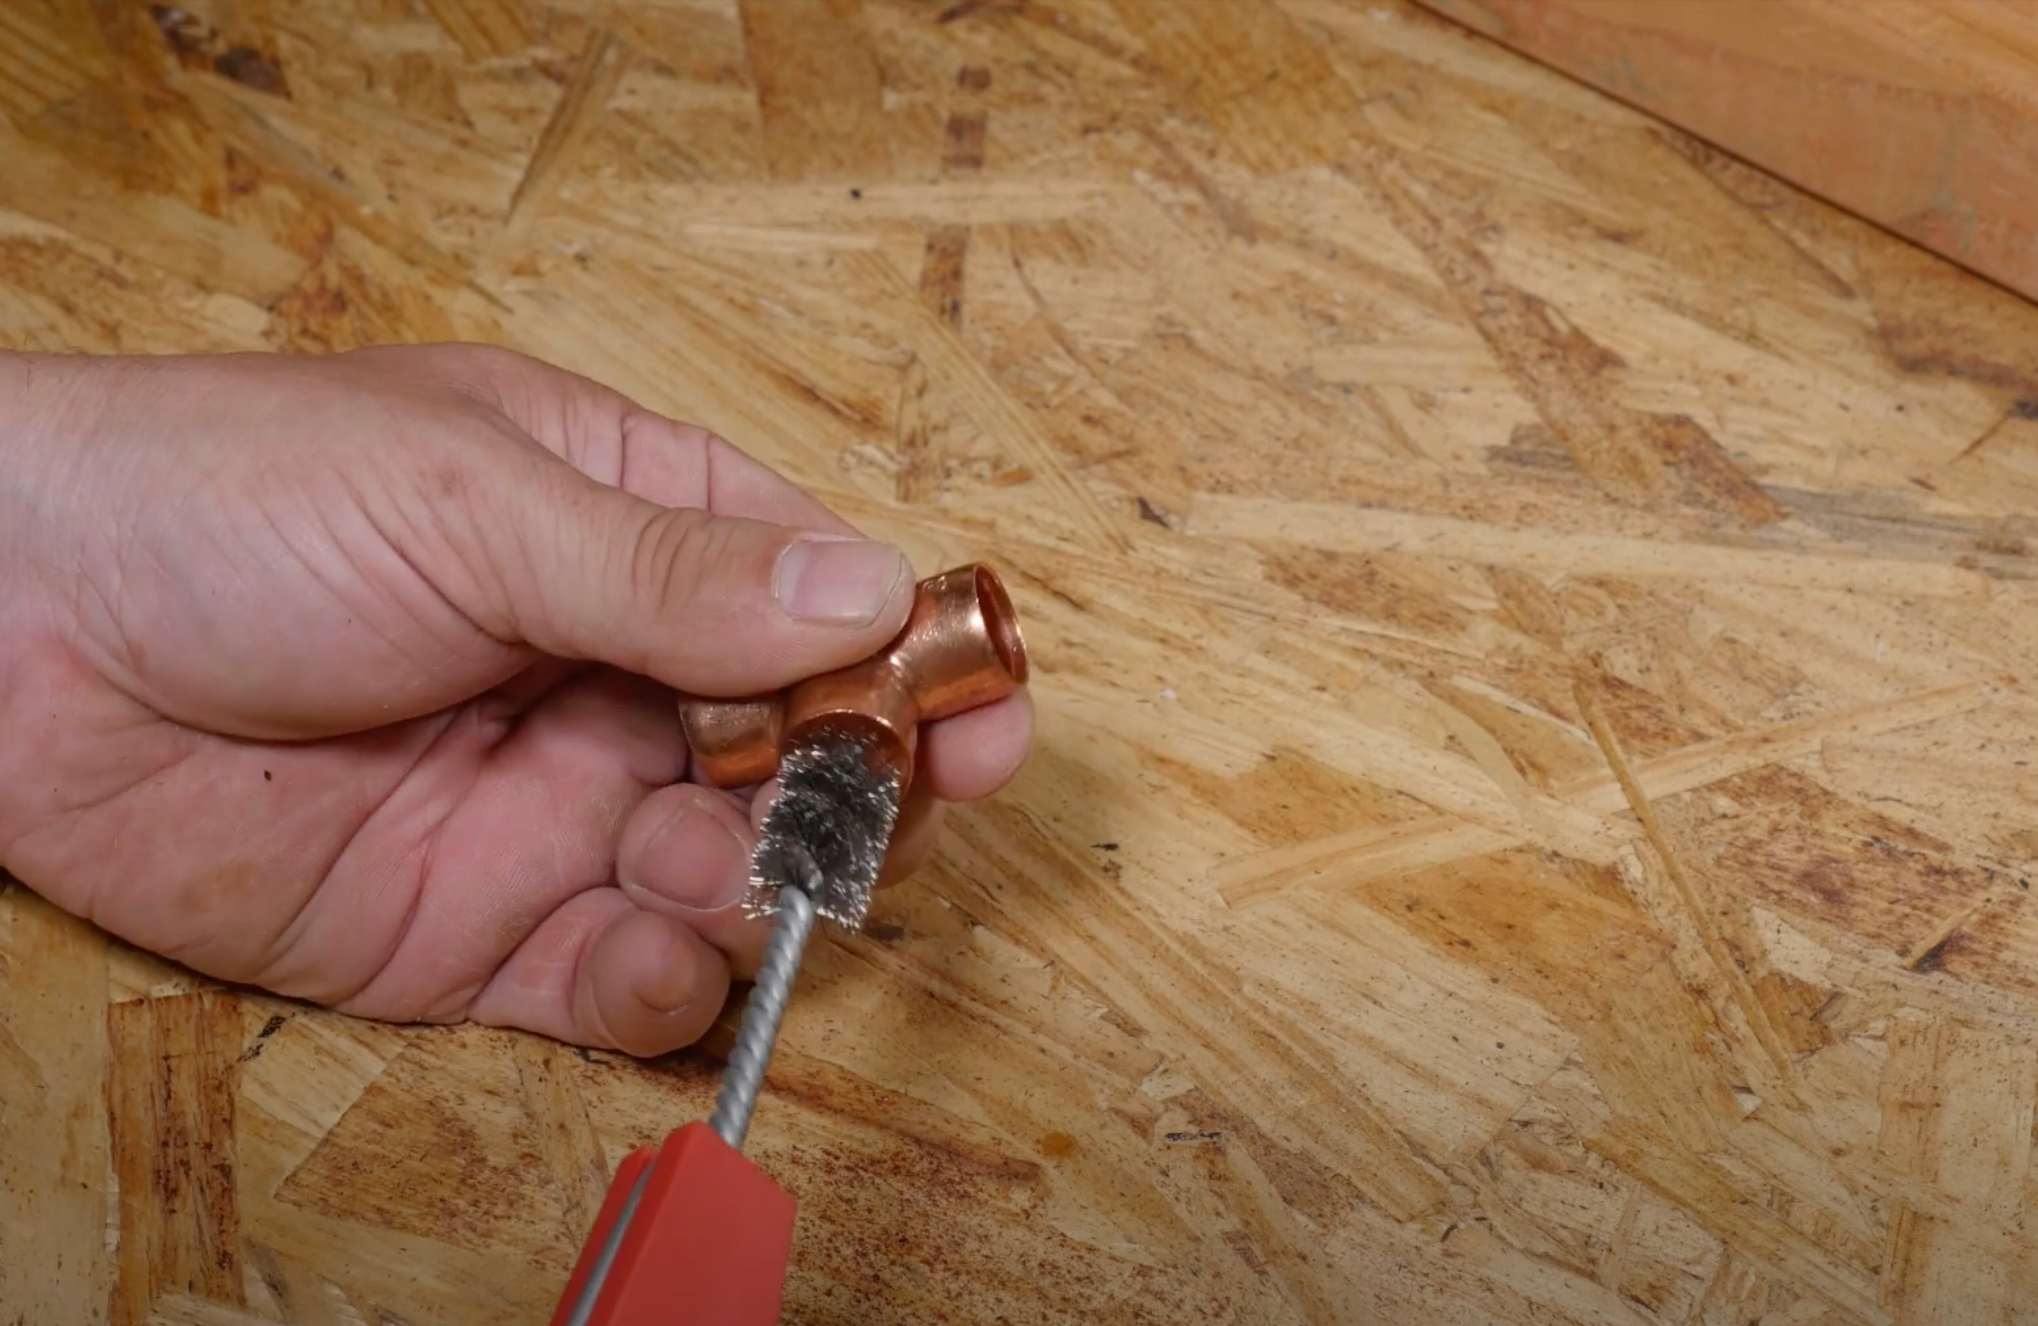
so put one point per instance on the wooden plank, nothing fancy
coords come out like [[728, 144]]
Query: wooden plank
[[1535, 621], [1920, 115]]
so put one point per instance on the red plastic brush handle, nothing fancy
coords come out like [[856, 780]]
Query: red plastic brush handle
[[707, 1245]]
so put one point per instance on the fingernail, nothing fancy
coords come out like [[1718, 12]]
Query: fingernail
[[838, 582], [699, 862]]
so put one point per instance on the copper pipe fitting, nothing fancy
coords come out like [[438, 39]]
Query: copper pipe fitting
[[960, 649]]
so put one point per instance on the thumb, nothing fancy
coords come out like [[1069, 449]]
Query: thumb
[[709, 605]]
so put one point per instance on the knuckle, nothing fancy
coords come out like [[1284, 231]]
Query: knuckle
[[481, 358], [674, 555]]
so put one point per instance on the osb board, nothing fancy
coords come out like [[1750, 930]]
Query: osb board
[[1921, 115], [1532, 817]]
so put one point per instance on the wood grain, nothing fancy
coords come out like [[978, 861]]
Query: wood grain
[[54, 1175], [1921, 115], [170, 1100], [1532, 819]]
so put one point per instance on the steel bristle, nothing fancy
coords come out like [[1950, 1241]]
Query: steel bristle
[[828, 830]]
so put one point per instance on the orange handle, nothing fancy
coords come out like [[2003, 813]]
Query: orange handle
[[707, 1244]]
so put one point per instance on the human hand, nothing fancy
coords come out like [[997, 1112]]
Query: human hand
[[356, 678]]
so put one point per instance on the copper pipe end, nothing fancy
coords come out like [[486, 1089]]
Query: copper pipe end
[[960, 649], [735, 742]]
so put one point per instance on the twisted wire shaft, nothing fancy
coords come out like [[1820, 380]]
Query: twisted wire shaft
[[743, 1078]]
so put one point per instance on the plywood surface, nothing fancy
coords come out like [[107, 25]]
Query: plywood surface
[[1921, 115], [1534, 812]]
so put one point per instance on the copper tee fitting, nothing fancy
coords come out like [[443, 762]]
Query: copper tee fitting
[[960, 649]]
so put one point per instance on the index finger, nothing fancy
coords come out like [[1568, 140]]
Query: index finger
[[611, 438], [738, 484]]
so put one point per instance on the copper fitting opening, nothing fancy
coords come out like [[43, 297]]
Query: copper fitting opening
[[960, 649]]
